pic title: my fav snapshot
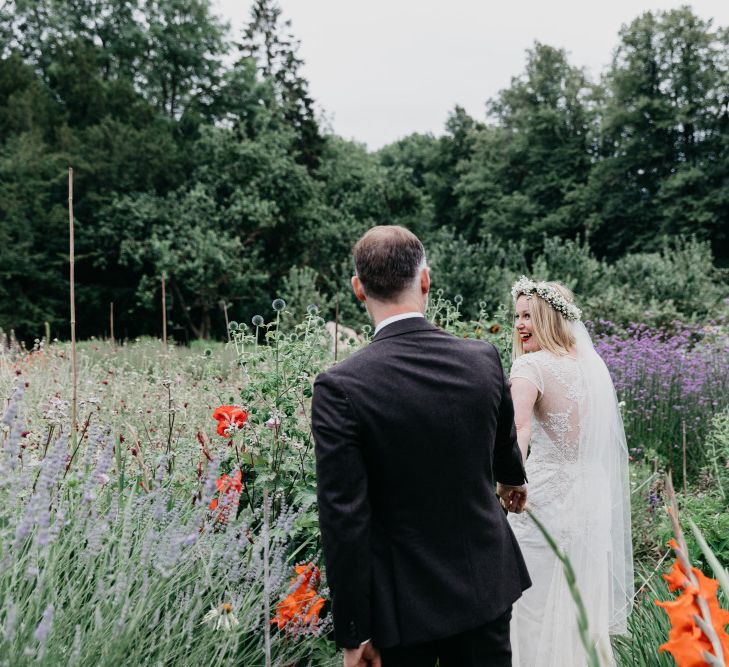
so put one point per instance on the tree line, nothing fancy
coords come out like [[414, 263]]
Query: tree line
[[198, 154]]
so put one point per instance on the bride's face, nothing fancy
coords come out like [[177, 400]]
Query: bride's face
[[523, 325]]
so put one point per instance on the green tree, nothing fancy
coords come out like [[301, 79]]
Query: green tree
[[184, 46], [111, 29], [230, 232], [33, 237], [522, 174], [267, 41], [479, 272], [662, 143], [434, 164]]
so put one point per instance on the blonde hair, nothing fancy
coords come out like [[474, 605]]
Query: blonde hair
[[551, 330]]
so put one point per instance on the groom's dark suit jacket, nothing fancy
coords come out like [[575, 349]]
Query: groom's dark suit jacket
[[411, 434]]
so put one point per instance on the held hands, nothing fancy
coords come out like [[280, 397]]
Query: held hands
[[364, 656], [513, 498]]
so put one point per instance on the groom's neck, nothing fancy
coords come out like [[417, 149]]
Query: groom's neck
[[381, 311]]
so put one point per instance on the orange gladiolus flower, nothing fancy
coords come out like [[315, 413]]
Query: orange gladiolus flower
[[302, 606], [686, 641], [229, 418], [676, 578]]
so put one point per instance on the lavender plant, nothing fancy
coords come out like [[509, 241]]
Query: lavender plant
[[670, 382], [91, 574]]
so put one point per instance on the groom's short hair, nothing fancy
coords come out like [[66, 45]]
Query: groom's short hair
[[387, 260]]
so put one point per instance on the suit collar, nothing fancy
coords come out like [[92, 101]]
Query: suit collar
[[403, 327]]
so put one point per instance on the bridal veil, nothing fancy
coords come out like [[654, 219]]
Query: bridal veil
[[604, 486]]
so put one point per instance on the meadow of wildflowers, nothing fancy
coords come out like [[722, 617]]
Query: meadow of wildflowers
[[179, 525], [169, 531]]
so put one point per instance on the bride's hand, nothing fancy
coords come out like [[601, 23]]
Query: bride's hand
[[513, 498]]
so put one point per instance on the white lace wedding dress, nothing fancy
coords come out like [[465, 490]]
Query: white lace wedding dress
[[578, 488]]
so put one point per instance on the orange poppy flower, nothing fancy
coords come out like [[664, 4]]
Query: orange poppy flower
[[302, 606], [229, 417]]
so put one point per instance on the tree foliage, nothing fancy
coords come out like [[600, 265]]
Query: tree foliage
[[198, 154]]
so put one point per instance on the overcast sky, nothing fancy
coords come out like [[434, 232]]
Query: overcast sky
[[382, 69]]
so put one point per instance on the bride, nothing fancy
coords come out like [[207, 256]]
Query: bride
[[568, 421]]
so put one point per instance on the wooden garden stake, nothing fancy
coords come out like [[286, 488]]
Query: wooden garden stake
[[111, 322], [72, 259], [336, 329], [683, 443], [164, 313], [225, 312]]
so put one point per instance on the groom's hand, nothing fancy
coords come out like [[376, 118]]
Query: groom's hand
[[364, 656], [513, 498]]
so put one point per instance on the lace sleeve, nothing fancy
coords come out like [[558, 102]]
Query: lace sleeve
[[527, 367]]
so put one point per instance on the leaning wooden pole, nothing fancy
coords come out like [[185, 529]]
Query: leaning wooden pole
[[111, 322], [164, 312], [227, 322], [683, 445], [72, 278], [336, 330]]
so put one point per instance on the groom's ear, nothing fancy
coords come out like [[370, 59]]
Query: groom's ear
[[358, 289], [425, 280]]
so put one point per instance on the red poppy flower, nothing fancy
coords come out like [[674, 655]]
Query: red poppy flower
[[229, 417]]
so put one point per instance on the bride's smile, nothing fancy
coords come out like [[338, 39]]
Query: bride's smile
[[523, 325]]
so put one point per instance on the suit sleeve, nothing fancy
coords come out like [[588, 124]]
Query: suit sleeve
[[508, 465], [344, 510]]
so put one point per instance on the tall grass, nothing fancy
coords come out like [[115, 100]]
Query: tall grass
[[648, 627]]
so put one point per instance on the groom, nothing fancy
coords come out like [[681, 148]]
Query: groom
[[411, 434]]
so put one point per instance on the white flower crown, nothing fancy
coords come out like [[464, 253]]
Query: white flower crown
[[553, 297]]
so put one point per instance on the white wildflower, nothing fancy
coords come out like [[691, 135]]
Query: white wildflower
[[221, 616]]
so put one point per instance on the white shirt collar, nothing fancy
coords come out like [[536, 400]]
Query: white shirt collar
[[396, 318]]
